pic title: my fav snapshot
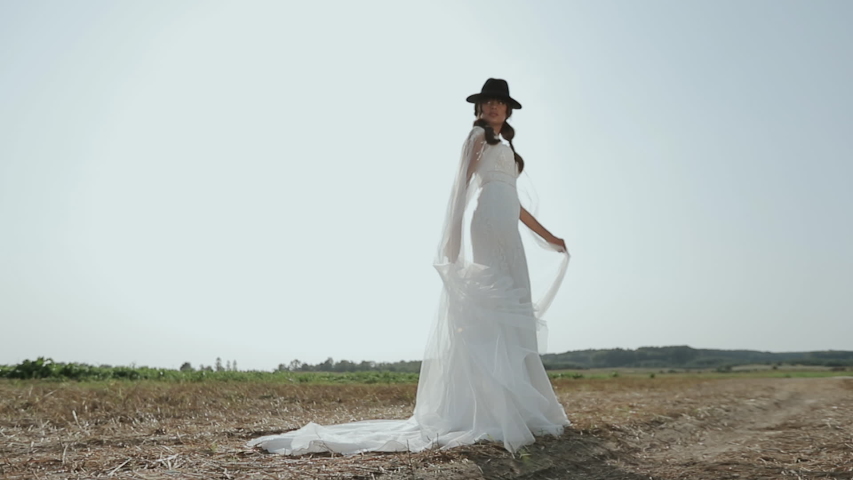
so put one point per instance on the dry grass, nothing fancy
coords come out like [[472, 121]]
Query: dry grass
[[632, 428], [733, 428], [68, 430]]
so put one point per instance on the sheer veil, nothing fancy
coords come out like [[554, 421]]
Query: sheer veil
[[452, 260], [481, 374]]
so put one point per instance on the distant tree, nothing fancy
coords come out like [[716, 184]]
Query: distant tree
[[234, 365], [186, 367], [295, 365], [219, 367], [327, 366], [227, 365], [344, 366]]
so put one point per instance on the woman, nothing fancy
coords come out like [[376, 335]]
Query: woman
[[481, 377]]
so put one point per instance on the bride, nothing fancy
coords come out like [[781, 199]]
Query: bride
[[481, 376]]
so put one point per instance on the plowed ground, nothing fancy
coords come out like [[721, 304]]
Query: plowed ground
[[623, 428]]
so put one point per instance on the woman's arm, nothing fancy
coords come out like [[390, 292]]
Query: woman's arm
[[533, 224], [478, 143]]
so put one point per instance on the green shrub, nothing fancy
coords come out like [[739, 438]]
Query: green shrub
[[43, 368]]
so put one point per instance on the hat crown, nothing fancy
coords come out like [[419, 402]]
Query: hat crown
[[494, 88], [497, 86]]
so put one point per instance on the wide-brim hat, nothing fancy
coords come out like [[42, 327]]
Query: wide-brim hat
[[494, 88]]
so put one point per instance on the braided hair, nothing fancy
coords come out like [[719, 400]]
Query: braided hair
[[506, 130]]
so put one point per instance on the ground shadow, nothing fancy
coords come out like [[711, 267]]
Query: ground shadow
[[573, 455]]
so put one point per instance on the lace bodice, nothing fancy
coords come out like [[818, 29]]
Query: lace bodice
[[497, 164]]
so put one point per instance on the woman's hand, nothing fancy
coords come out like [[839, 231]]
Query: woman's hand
[[559, 243], [527, 219]]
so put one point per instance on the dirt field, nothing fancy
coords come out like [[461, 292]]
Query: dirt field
[[672, 427]]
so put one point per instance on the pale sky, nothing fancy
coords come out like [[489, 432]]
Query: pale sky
[[265, 181]]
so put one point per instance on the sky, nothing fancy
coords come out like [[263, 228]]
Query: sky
[[267, 181]]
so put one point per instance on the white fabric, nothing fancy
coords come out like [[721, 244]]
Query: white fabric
[[481, 376]]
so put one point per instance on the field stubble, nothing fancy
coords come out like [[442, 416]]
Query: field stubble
[[623, 428]]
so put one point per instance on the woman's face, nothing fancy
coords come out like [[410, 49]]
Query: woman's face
[[493, 111]]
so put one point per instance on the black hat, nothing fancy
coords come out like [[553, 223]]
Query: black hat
[[495, 88]]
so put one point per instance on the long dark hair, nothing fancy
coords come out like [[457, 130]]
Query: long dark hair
[[506, 130]]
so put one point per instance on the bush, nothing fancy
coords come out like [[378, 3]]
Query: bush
[[40, 368], [43, 368]]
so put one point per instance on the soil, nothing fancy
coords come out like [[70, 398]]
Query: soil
[[797, 428]]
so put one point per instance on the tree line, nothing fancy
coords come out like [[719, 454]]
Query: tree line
[[689, 358], [682, 357], [330, 365]]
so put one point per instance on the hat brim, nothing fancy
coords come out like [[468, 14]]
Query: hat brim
[[479, 96]]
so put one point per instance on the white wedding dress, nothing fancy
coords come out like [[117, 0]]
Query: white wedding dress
[[481, 377]]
